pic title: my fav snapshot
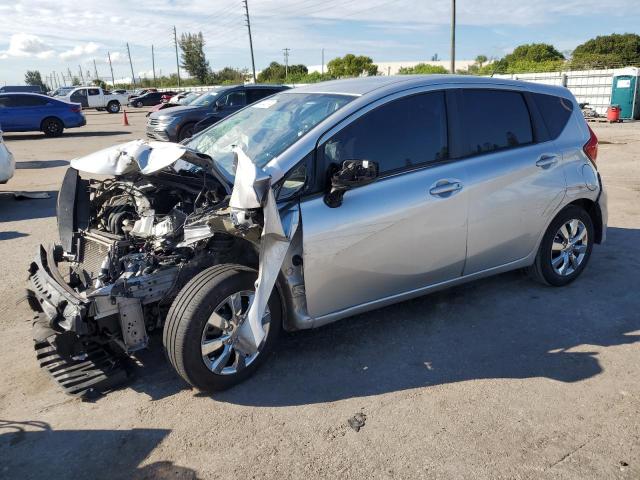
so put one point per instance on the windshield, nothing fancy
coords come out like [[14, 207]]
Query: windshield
[[266, 129], [190, 98], [205, 100]]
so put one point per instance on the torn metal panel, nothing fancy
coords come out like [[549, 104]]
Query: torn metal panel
[[141, 156], [252, 189]]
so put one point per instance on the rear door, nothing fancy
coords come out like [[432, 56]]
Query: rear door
[[515, 179], [405, 231], [94, 99]]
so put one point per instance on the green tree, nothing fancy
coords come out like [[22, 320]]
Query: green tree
[[276, 73], [534, 57], [608, 51], [33, 77], [422, 68], [481, 60], [227, 75], [194, 60], [100, 83], [351, 66], [75, 81]]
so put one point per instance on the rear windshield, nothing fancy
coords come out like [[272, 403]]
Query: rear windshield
[[555, 111]]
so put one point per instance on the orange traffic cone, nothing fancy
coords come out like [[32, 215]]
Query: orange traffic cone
[[125, 120]]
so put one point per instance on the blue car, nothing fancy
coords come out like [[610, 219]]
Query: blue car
[[31, 112]]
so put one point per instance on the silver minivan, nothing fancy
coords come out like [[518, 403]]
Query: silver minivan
[[318, 203]]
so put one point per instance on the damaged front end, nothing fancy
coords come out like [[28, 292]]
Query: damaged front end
[[129, 243]]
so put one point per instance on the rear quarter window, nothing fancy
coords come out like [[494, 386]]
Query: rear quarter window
[[555, 112], [494, 120]]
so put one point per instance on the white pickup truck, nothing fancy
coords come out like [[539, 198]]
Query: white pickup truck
[[95, 97]]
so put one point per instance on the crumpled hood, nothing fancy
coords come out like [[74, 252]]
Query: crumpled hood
[[142, 156]]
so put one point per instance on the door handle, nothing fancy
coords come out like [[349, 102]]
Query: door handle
[[443, 188], [547, 161]]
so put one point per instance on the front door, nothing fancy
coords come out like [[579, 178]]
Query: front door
[[80, 96], [406, 230]]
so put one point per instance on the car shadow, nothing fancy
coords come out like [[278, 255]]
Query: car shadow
[[39, 164], [10, 235], [13, 210], [9, 137], [33, 450], [501, 327]]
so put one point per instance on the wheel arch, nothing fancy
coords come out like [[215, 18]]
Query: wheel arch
[[593, 209], [50, 117]]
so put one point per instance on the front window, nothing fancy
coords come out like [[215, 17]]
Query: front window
[[266, 129]]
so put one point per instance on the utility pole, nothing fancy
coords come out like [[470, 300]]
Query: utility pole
[[153, 66], [253, 63], [286, 62], [133, 77], [81, 74], [70, 76], [453, 36], [95, 69], [58, 80], [322, 66], [113, 79], [175, 43]]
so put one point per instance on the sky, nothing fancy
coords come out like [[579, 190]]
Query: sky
[[69, 35]]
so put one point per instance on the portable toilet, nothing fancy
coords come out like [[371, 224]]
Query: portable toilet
[[624, 92]]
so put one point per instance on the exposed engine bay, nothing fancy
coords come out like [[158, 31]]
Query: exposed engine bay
[[128, 244]]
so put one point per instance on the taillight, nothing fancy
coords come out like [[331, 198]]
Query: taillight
[[76, 108], [591, 147]]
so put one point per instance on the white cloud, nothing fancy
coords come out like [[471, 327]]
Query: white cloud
[[79, 50], [24, 45]]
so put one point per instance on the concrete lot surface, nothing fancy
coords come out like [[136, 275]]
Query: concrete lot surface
[[501, 378]]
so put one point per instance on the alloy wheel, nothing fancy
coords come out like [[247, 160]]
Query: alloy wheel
[[569, 247], [219, 336]]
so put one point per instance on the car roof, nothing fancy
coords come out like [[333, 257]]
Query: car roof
[[26, 94], [366, 85]]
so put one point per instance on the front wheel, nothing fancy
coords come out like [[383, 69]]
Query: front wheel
[[202, 324], [565, 248], [138, 104]]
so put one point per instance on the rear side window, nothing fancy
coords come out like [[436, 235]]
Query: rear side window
[[28, 101], [94, 91], [255, 94], [555, 111], [494, 120], [401, 134]]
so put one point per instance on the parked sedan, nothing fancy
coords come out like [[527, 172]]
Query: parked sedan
[[146, 100], [7, 163], [177, 123], [31, 112]]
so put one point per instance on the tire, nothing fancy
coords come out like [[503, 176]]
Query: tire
[[557, 254], [52, 127], [186, 327], [113, 107], [138, 104], [186, 131]]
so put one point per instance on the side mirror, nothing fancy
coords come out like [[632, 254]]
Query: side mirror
[[354, 173]]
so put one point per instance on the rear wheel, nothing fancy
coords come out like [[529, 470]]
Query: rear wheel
[[113, 107], [202, 324], [565, 248], [52, 127], [138, 104]]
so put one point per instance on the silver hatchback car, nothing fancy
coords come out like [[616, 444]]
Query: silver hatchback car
[[310, 206]]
